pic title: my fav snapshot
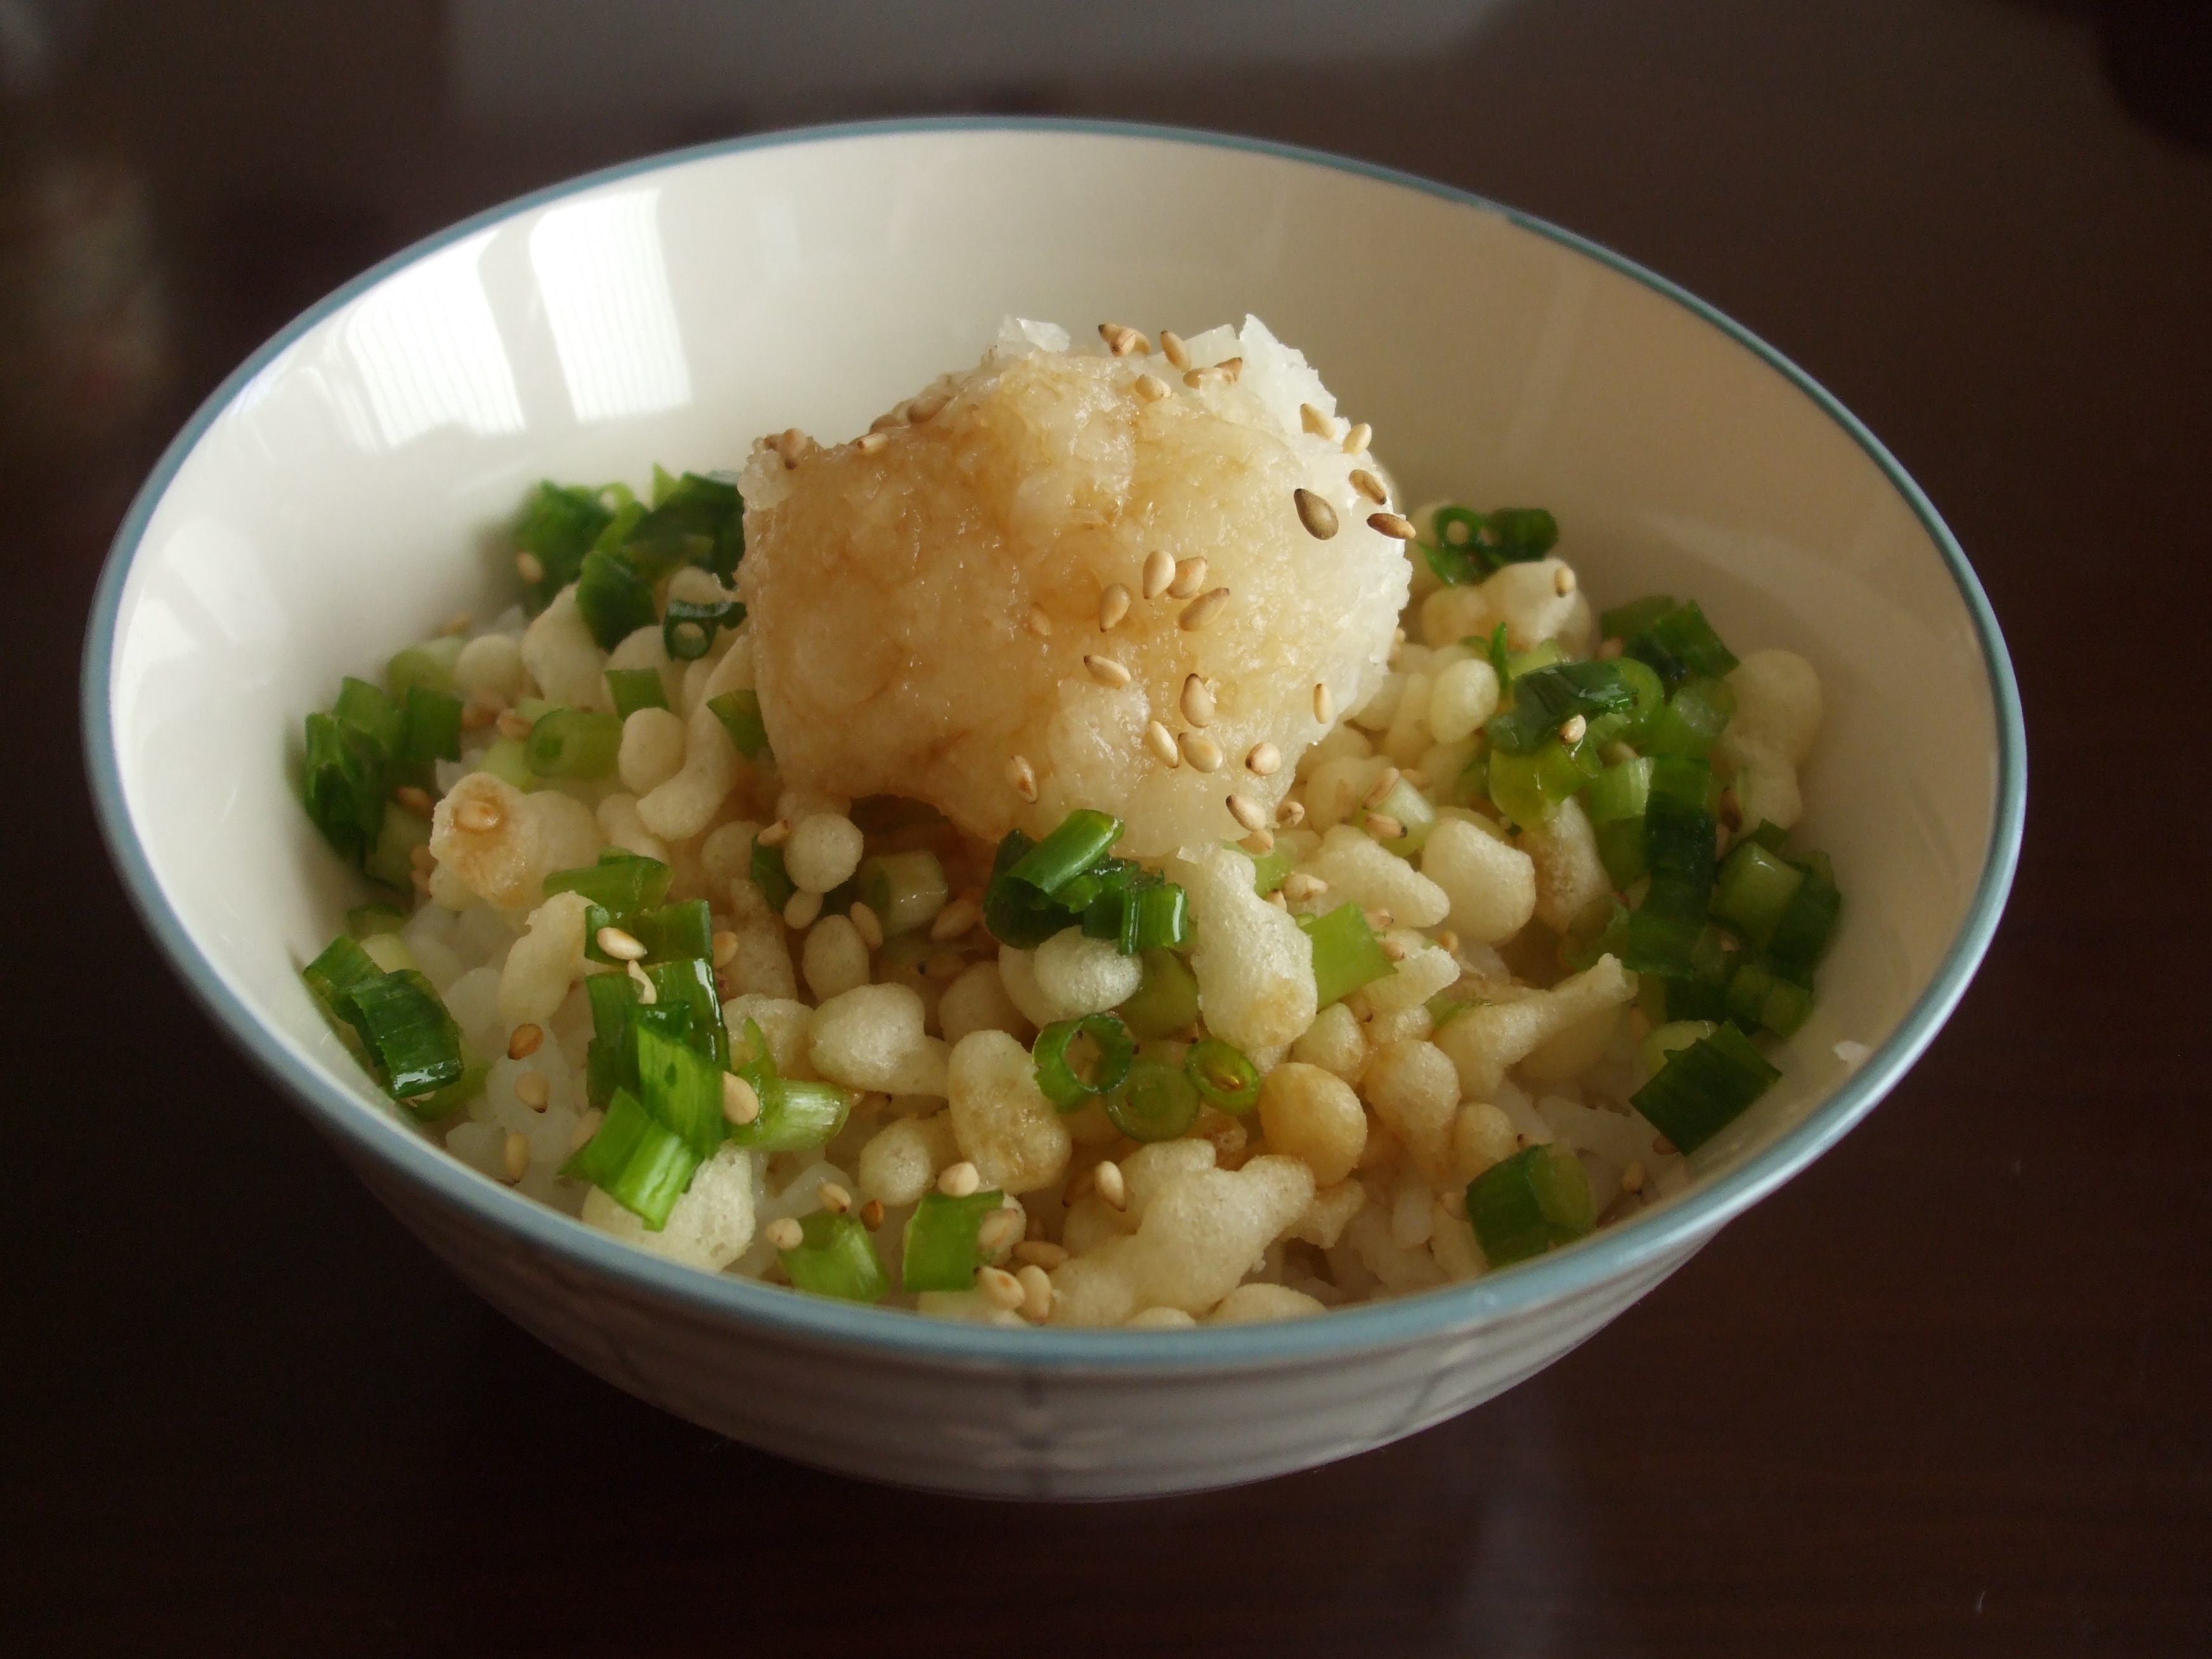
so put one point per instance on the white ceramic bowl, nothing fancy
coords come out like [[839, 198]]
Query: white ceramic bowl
[[343, 490]]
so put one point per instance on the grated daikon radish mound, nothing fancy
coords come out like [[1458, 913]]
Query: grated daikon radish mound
[[924, 601]]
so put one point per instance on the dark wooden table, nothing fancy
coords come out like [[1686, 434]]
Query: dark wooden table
[[1945, 1392]]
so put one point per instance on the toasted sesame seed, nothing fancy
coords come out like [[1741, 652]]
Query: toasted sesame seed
[[1113, 605], [1394, 948], [775, 835], [1197, 699], [1661, 1146], [411, 798], [955, 918], [1189, 577], [1608, 649], [740, 1101], [835, 1199], [1414, 775], [1039, 623], [1203, 610], [1259, 843], [1379, 791], [1227, 370], [1357, 440], [1380, 920], [533, 1089], [1040, 1252], [1575, 729], [1247, 811], [1172, 348], [793, 446], [1200, 750], [784, 1233], [1324, 705], [459, 622], [884, 423], [512, 725], [1152, 388], [800, 909], [1298, 885], [586, 1126], [622, 946], [647, 994], [481, 710], [872, 441], [1037, 1293], [1392, 524], [1562, 581], [1315, 514], [1290, 814], [868, 924], [959, 1180], [1106, 672], [725, 949], [1159, 571], [1000, 1231], [871, 1214], [1383, 827], [525, 1040], [1112, 1188], [1162, 743], [529, 567], [926, 408], [1123, 340], [1631, 1178], [1313, 421], [999, 1287], [516, 1156], [1368, 485], [1265, 760], [479, 815]]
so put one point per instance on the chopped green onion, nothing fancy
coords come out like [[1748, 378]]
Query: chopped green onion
[[441, 1104], [508, 760], [697, 510], [1469, 545], [1545, 698], [770, 876], [406, 1029], [1528, 788], [1015, 912], [430, 666], [1057, 1077], [1758, 998], [389, 952], [1157, 918], [796, 1115], [557, 528], [1679, 848], [573, 742], [633, 689], [1650, 697], [343, 965], [369, 711], [636, 1161], [1626, 620], [688, 631], [668, 932], [905, 890], [1693, 721], [1413, 812], [941, 1253], [1678, 643], [682, 1089], [740, 714], [374, 917], [611, 1058], [835, 1256], [1268, 868], [1754, 890], [1599, 929], [621, 883], [688, 982], [1155, 1102], [1704, 1088], [1346, 955], [344, 792], [392, 860], [1534, 1202], [1223, 1075], [1166, 1000], [1664, 1040], [1083, 837], [430, 727], [613, 598], [1801, 936], [1614, 804]]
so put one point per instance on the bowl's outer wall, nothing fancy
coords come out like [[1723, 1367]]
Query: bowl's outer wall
[[349, 485]]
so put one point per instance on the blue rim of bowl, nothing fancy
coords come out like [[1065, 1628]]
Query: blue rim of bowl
[[1685, 1222]]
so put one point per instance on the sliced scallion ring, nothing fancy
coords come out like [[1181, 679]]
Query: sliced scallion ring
[[1157, 1102], [1223, 1075], [1062, 1083]]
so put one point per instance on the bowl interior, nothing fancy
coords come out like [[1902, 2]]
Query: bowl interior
[[348, 492]]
